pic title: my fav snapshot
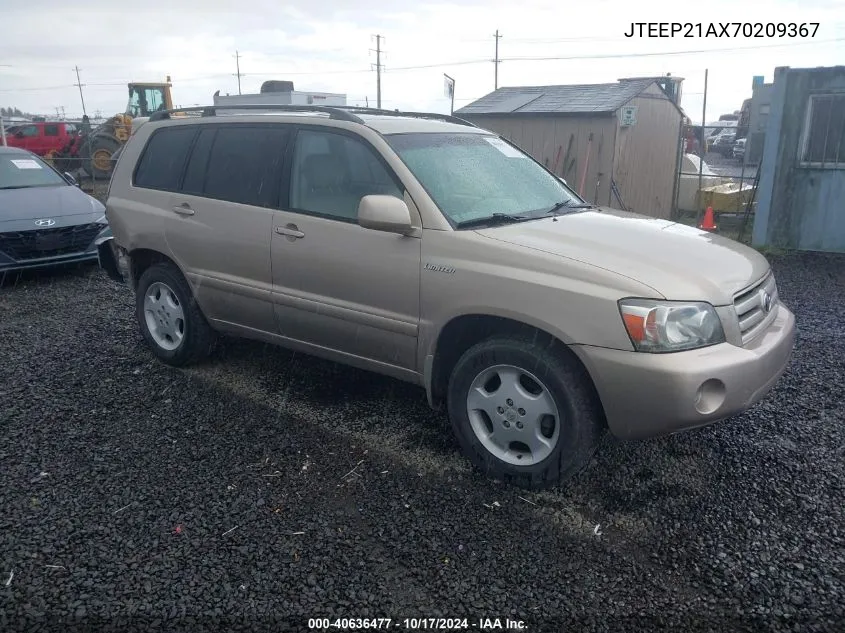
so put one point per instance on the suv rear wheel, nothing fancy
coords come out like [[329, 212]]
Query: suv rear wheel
[[170, 318], [523, 412]]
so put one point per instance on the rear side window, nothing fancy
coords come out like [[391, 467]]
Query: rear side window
[[195, 173], [51, 130], [244, 165], [164, 158]]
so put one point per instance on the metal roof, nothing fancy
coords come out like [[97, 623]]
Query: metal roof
[[584, 98]]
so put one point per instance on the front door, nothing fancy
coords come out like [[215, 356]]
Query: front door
[[336, 285], [29, 138]]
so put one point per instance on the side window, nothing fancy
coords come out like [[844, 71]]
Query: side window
[[29, 130], [164, 158], [195, 173], [51, 130], [70, 129], [245, 164], [332, 172]]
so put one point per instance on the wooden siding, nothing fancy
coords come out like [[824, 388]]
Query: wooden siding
[[646, 155], [565, 138]]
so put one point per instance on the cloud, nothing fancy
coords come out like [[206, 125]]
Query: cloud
[[326, 45]]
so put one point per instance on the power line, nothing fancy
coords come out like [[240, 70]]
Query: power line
[[459, 63], [668, 53]]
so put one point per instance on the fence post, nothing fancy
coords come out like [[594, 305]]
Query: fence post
[[3, 131], [703, 149]]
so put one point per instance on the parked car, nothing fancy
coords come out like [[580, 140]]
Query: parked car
[[45, 219], [42, 138], [724, 144], [433, 251], [739, 148]]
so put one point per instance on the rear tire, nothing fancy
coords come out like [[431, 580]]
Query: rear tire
[[96, 152], [170, 318], [509, 394]]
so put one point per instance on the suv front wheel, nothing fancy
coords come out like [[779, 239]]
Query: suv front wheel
[[523, 412], [170, 319]]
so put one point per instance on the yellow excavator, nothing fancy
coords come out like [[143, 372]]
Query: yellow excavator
[[97, 146]]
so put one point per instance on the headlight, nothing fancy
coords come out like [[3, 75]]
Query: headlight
[[103, 220], [670, 326]]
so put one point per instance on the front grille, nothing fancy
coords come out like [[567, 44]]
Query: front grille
[[25, 245], [751, 310]]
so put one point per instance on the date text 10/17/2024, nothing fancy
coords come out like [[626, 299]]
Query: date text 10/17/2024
[[417, 624], [722, 29]]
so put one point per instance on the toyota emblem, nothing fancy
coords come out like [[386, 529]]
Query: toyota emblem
[[765, 301], [45, 222]]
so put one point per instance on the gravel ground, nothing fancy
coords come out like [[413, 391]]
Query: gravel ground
[[264, 488]]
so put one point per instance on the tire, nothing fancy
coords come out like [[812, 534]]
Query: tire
[[96, 152], [191, 339], [579, 421]]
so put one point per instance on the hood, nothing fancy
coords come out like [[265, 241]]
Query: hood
[[19, 208], [678, 261]]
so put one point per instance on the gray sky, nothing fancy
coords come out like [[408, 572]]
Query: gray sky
[[325, 45]]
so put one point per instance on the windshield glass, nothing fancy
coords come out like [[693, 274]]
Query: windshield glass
[[474, 176], [19, 171]]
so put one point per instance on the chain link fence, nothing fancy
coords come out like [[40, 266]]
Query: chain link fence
[[724, 181]]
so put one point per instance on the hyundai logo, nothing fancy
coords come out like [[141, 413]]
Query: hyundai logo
[[766, 301], [45, 222]]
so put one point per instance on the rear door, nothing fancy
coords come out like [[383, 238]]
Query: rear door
[[220, 221]]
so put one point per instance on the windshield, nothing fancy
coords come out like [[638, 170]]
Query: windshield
[[20, 171], [474, 176]]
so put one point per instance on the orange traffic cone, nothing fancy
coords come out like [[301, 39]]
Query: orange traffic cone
[[708, 223]]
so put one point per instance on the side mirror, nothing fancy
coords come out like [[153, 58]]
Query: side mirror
[[19, 134], [384, 213], [70, 179]]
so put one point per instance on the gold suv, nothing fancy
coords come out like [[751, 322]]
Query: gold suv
[[422, 247]]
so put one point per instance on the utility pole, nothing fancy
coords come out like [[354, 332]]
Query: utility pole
[[378, 71], [496, 62], [238, 66], [79, 84]]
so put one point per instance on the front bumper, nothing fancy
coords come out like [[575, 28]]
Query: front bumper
[[9, 263], [646, 395], [48, 262]]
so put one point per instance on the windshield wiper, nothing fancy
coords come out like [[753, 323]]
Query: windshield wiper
[[496, 218], [568, 204]]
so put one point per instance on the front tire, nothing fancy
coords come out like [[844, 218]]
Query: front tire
[[523, 412], [170, 318]]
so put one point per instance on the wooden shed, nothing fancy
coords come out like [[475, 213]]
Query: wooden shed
[[618, 144]]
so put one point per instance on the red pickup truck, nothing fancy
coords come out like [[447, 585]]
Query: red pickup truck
[[42, 138]]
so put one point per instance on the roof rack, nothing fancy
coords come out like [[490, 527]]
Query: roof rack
[[333, 112], [340, 113], [417, 115]]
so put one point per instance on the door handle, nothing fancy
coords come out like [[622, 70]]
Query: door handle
[[183, 209], [290, 230]]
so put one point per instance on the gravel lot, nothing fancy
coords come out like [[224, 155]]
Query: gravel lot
[[263, 488]]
